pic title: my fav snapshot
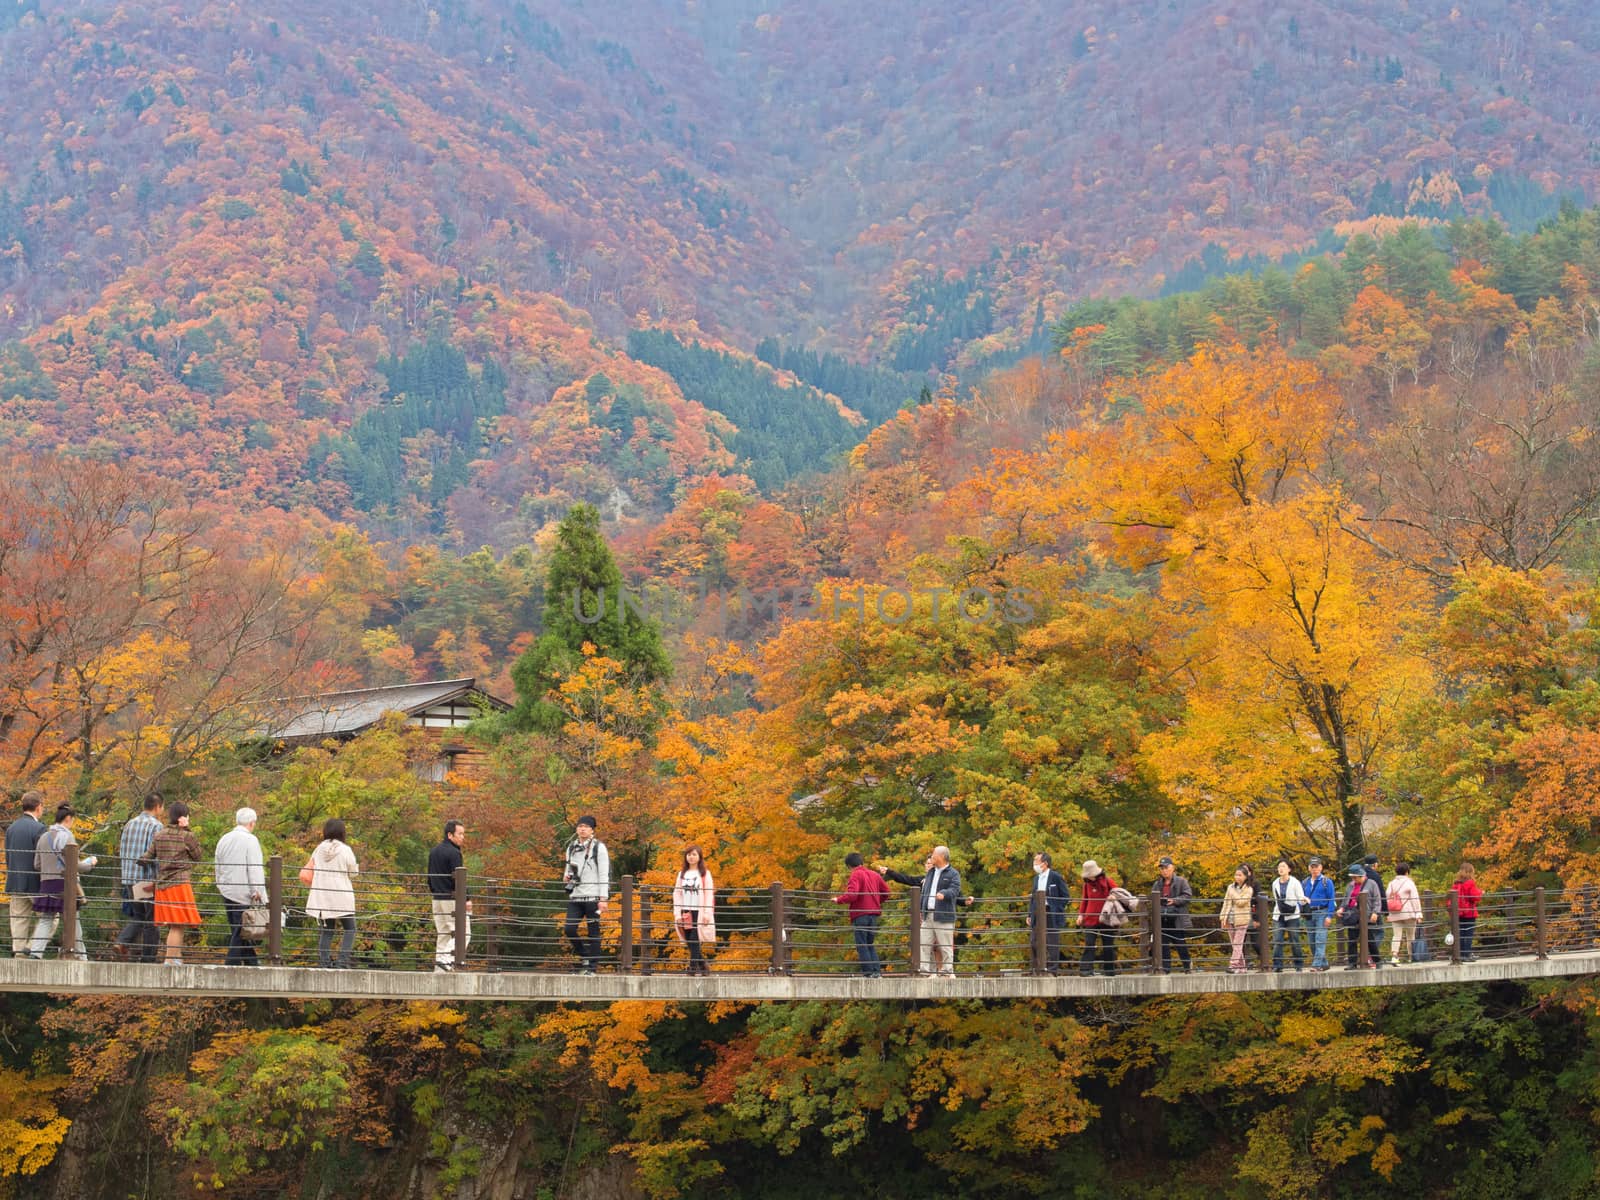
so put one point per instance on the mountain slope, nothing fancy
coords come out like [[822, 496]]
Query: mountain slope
[[217, 224]]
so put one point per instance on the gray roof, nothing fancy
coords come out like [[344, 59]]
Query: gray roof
[[345, 714]]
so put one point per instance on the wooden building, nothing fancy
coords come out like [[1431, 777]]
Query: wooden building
[[442, 708]]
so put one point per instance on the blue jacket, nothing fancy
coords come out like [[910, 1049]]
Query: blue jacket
[[22, 837], [941, 879], [1320, 894], [1056, 896]]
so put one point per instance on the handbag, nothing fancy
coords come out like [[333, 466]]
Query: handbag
[[1419, 948], [1286, 912], [253, 923]]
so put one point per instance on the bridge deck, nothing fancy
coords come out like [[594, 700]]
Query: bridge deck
[[70, 977]]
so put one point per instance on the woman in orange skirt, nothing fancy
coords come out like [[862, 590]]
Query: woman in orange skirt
[[175, 852]]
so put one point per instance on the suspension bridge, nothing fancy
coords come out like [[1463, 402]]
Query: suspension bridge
[[772, 944]]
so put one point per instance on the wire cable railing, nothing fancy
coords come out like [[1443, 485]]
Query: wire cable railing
[[512, 925]]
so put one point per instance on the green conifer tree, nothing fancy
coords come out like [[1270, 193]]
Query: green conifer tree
[[584, 601]]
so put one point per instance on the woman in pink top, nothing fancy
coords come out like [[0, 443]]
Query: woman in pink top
[[694, 900]]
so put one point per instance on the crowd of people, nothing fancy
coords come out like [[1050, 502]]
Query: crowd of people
[[1303, 913], [158, 853]]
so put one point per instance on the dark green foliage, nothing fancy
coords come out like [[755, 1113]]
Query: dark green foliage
[[1307, 308], [1214, 263], [873, 392], [942, 314], [366, 261], [716, 206], [21, 376], [783, 431], [237, 210], [584, 601], [139, 99], [297, 178], [431, 389], [1521, 202]]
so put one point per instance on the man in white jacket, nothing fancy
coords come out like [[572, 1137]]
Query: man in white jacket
[[587, 878], [242, 882]]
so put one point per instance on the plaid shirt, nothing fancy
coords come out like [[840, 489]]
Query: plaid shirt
[[138, 835]]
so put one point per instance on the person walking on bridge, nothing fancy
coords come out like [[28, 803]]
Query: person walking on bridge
[[1172, 895], [1238, 908], [694, 908], [1361, 945], [1321, 901], [1468, 894], [444, 860], [864, 892], [137, 939], [1049, 884], [587, 878], [22, 875], [241, 881], [940, 893], [1096, 890], [1405, 913], [1288, 909], [331, 902], [175, 851], [50, 861]]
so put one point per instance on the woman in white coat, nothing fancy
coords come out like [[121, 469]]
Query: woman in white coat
[[1289, 908], [1405, 913], [694, 901], [332, 899]]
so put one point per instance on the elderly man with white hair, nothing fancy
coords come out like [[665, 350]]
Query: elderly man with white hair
[[940, 892], [242, 881]]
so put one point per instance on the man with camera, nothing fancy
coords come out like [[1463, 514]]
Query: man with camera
[[587, 878]]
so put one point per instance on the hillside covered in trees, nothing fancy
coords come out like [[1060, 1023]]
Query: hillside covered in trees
[[217, 225], [1300, 563]]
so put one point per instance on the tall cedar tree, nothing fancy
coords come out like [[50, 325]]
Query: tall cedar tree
[[584, 601]]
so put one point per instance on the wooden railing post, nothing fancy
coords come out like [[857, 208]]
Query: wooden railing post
[[1541, 925], [69, 901], [1454, 905], [1363, 919], [1263, 933], [780, 934], [1038, 944], [625, 943], [460, 954], [275, 909]]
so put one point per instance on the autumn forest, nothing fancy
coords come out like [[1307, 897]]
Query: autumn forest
[[1166, 427]]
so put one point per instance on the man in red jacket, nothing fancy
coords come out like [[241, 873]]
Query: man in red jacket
[[864, 893]]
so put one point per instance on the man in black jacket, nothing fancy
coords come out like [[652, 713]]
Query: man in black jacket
[[22, 876], [443, 860], [1048, 882], [940, 893], [1171, 893]]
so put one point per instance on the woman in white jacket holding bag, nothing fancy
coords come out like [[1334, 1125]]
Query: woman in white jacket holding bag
[[694, 901], [330, 873], [1289, 906]]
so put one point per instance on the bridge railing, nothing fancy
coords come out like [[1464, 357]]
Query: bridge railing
[[521, 925]]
